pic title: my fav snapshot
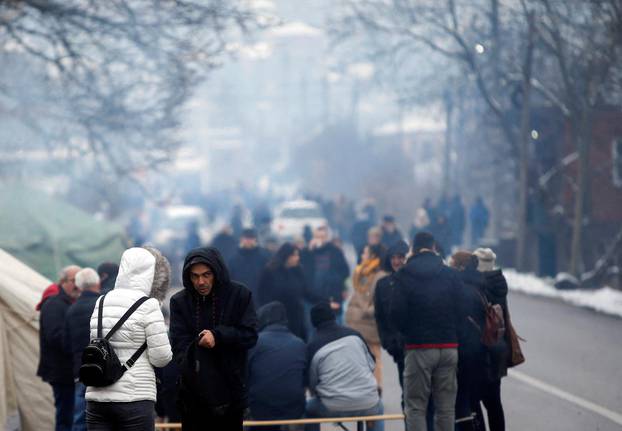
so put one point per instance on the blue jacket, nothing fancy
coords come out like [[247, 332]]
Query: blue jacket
[[77, 327], [276, 367], [429, 306]]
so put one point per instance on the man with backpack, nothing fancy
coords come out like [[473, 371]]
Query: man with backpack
[[128, 339], [213, 325]]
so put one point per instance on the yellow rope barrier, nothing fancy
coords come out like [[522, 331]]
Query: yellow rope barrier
[[391, 417]]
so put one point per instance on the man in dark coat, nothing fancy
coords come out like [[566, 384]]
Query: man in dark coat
[[390, 232], [225, 243], [360, 228], [213, 324], [457, 221], [428, 311], [55, 363], [248, 262], [276, 369], [390, 337], [78, 335], [329, 269], [478, 215]]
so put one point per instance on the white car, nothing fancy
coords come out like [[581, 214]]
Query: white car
[[292, 217], [170, 225]]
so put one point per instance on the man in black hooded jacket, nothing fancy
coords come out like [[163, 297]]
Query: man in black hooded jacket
[[213, 324]]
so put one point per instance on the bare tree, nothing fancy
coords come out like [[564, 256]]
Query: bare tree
[[487, 43], [116, 73], [566, 53], [584, 40]]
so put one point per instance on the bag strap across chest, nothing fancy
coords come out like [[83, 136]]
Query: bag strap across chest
[[118, 325], [121, 321]]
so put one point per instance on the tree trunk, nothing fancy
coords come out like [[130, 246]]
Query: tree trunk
[[584, 136], [447, 152], [524, 139]]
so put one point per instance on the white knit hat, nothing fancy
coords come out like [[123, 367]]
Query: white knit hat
[[486, 258]]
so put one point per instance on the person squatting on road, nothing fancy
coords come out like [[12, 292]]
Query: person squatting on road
[[341, 371], [129, 403], [213, 325], [276, 369]]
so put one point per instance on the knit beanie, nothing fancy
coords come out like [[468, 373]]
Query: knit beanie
[[486, 258], [272, 313], [321, 313]]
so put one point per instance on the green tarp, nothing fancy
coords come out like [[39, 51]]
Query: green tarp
[[48, 234]]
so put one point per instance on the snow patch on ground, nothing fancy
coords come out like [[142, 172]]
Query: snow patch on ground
[[605, 300]]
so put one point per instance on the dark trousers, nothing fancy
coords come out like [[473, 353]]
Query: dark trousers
[[203, 420], [132, 416], [63, 401], [491, 398]]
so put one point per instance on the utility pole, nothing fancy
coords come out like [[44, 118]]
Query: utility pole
[[524, 140]]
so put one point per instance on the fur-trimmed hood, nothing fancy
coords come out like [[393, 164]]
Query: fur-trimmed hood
[[144, 269]]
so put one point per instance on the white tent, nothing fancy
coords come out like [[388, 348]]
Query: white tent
[[26, 401]]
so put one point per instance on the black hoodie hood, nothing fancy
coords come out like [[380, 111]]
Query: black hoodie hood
[[211, 257], [400, 248], [273, 313], [423, 265], [496, 286], [473, 277]]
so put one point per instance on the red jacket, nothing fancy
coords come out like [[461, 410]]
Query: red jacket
[[51, 290]]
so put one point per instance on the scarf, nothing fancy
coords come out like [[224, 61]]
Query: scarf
[[361, 279]]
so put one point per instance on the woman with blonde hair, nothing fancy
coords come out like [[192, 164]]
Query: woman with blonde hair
[[360, 313]]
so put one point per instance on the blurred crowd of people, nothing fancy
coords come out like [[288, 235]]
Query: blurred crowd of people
[[275, 332]]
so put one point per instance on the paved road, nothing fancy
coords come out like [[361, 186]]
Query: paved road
[[572, 380]]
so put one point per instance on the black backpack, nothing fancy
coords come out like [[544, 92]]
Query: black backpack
[[100, 364]]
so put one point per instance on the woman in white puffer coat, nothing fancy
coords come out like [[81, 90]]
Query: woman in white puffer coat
[[129, 403]]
